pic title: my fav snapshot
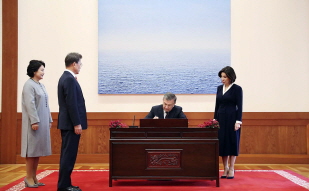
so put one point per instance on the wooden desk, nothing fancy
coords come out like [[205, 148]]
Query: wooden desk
[[164, 153]]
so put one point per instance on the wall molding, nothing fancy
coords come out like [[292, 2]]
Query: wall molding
[[266, 137]]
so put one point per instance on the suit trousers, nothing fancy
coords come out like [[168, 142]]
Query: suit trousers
[[69, 149]]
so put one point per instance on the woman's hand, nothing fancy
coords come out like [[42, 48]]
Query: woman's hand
[[35, 126], [50, 125], [237, 126]]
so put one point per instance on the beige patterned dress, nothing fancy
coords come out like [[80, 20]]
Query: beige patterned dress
[[35, 109]]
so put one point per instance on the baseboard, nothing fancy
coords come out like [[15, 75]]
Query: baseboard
[[241, 159], [272, 159]]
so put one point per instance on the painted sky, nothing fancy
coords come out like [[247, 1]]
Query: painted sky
[[147, 25]]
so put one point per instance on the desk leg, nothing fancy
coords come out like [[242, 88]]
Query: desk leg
[[110, 179]]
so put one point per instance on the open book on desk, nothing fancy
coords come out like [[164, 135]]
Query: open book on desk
[[163, 123]]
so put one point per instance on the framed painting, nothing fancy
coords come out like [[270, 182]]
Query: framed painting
[[156, 46]]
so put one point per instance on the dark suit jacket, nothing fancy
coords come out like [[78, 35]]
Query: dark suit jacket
[[72, 109], [157, 110], [230, 102]]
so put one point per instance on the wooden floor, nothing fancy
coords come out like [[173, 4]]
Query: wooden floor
[[12, 172]]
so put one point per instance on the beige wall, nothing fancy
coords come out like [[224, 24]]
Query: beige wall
[[270, 53]]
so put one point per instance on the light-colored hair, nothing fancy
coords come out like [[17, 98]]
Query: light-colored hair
[[170, 96]]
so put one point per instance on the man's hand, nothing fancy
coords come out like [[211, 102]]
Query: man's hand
[[156, 117], [78, 129]]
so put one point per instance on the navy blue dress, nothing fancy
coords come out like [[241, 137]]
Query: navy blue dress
[[228, 110]]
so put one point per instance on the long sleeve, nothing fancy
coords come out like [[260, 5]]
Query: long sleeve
[[50, 117], [70, 91], [151, 114], [29, 103], [239, 100], [181, 115], [217, 105]]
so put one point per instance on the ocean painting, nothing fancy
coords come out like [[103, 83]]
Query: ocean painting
[[159, 46]]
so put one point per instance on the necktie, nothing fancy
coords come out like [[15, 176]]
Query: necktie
[[166, 114]]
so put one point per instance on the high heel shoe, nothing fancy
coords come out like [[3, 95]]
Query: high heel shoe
[[226, 171], [37, 182], [40, 184], [28, 185], [231, 177]]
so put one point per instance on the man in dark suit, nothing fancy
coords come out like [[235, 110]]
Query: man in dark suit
[[72, 119], [166, 110]]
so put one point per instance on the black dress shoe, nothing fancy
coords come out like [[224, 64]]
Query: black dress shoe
[[230, 177], [226, 171], [71, 188], [76, 187]]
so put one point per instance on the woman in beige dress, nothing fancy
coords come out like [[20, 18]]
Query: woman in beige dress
[[36, 122]]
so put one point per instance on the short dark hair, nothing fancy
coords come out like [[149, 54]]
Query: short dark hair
[[170, 96], [34, 66], [230, 73], [71, 58]]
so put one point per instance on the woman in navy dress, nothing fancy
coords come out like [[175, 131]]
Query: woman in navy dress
[[228, 112]]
